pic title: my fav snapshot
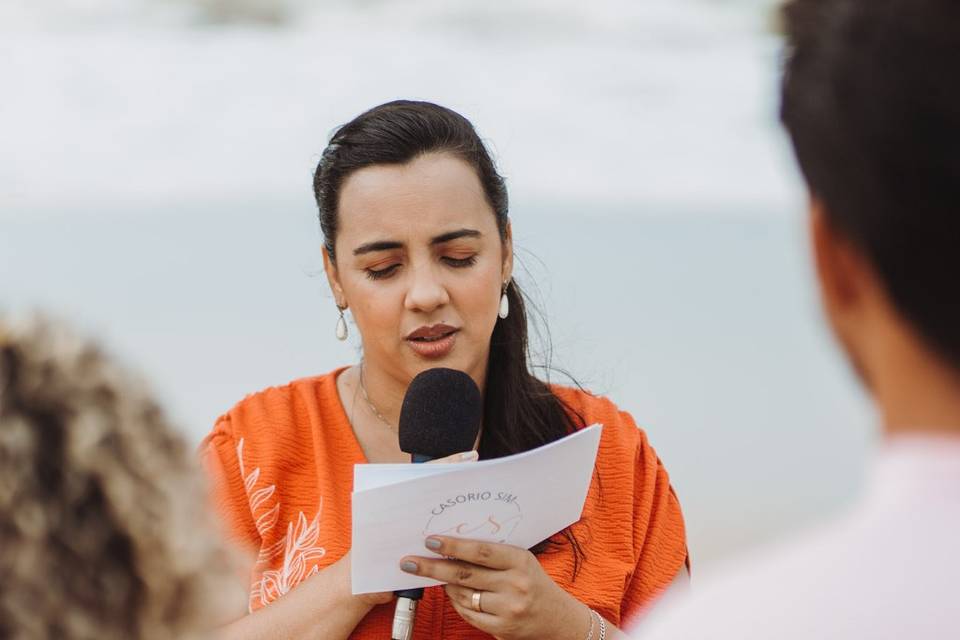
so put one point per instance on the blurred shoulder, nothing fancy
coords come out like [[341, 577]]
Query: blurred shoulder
[[789, 590]]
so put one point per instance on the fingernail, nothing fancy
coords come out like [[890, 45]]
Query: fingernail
[[468, 456], [409, 566], [433, 544]]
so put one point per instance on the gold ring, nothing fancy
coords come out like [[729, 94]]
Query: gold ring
[[475, 601]]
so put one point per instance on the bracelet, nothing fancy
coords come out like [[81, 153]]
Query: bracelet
[[593, 623], [594, 618]]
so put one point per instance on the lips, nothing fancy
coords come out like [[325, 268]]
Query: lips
[[433, 342], [432, 334]]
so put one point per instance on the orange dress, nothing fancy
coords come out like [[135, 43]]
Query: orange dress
[[282, 465]]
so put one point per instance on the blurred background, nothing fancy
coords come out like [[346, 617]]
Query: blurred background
[[155, 187]]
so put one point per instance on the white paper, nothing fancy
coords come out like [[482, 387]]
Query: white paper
[[371, 476], [520, 500]]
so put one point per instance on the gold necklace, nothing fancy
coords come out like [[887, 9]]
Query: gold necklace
[[373, 408]]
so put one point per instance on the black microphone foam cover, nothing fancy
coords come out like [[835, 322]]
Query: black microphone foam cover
[[440, 414]]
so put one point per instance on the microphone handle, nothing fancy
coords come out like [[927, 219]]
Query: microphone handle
[[407, 599], [403, 617]]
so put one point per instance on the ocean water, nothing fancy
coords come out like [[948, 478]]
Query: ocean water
[[705, 328], [154, 189]]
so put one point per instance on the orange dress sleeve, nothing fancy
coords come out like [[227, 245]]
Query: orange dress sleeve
[[658, 531], [221, 457], [635, 539]]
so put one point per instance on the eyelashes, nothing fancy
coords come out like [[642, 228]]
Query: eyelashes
[[456, 263], [380, 274], [460, 263]]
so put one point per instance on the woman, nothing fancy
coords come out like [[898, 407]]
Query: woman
[[102, 526], [417, 244]]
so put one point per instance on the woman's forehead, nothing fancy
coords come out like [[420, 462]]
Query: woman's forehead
[[432, 193]]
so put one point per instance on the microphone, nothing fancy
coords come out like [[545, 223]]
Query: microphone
[[440, 416]]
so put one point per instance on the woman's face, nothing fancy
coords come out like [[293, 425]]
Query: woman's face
[[421, 264]]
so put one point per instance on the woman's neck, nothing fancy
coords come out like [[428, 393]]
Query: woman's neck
[[383, 396], [377, 438], [382, 393]]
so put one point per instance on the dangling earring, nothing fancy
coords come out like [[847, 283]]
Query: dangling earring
[[504, 302], [341, 325]]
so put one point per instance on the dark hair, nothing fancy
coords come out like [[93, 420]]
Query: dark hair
[[520, 411], [871, 99]]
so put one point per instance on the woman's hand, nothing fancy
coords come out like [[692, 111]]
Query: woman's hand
[[343, 564], [517, 600]]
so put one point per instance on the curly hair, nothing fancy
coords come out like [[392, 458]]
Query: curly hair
[[103, 530]]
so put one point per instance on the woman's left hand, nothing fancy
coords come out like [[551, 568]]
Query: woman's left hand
[[516, 600]]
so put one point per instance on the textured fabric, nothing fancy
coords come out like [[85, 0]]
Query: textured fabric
[[282, 463], [887, 570]]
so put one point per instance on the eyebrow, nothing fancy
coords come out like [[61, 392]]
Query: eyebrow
[[381, 245], [389, 245], [455, 235]]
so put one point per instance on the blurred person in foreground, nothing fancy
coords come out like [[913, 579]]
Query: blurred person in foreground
[[101, 521], [871, 99]]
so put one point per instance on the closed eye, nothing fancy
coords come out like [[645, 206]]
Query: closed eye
[[460, 263], [380, 274]]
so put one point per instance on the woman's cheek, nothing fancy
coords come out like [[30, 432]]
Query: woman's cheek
[[376, 313]]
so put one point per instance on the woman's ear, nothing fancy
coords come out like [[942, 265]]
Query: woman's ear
[[333, 279]]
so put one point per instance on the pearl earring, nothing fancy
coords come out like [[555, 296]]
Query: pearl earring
[[504, 303], [341, 325]]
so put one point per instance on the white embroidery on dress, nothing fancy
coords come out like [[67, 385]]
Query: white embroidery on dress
[[298, 547]]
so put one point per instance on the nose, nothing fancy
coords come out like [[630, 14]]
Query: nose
[[427, 292]]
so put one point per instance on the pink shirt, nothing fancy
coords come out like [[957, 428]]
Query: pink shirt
[[888, 570]]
